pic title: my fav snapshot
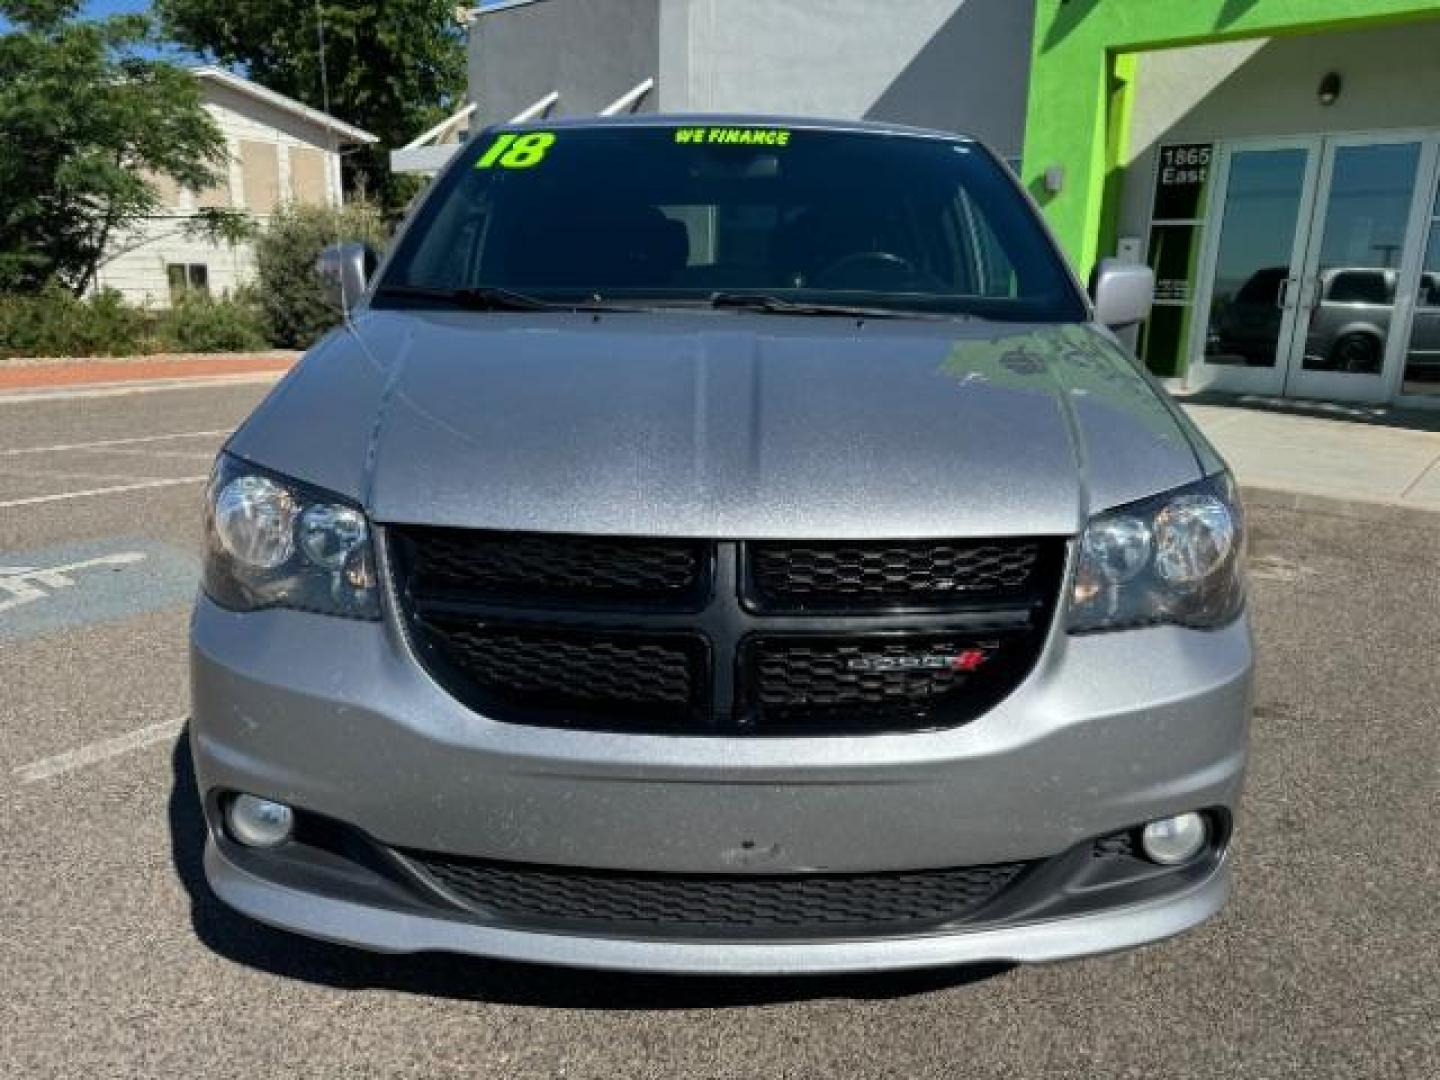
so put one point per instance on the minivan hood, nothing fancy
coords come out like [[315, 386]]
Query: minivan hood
[[724, 425]]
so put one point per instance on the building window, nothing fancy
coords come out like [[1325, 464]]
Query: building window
[[217, 195], [167, 191], [1182, 181], [1422, 360], [186, 278], [307, 177], [260, 167]]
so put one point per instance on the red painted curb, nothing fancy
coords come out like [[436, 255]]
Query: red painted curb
[[86, 372]]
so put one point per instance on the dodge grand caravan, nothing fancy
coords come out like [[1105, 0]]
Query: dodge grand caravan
[[722, 545]]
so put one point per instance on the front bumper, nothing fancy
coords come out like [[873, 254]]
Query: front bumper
[[1108, 731], [382, 929]]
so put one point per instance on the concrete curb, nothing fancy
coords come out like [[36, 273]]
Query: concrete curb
[[151, 358], [1380, 512], [26, 395]]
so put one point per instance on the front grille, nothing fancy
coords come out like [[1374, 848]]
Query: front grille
[[547, 897], [1119, 845], [620, 674], [723, 637], [546, 570], [901, 681], [918, 574]]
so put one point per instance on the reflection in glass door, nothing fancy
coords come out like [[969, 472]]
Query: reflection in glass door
[[1353, 268], [1250, 297], [1422, 357], [1312, 281]]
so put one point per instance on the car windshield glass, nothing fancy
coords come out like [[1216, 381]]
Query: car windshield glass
[[660, 215]]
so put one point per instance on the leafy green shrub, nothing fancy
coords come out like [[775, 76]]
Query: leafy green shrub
[[200, 323], [285, 255], [54, 322]]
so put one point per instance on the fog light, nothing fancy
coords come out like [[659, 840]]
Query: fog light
[[1174, 840], [259, 823]]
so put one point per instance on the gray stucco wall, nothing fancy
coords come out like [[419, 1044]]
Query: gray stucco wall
[[959, 65], [591, 51], [1253, 89]]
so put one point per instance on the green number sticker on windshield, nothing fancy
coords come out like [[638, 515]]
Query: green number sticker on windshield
[[514, 151]]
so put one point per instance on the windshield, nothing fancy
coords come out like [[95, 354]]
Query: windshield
[[802, 218]]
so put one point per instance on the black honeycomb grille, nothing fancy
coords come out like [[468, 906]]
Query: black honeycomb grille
[[723, 637], [646, 676], [545, 569], [1119, 845], [909, 574], [904, 681], [791, 905]]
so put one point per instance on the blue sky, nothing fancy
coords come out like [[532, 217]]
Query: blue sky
[[111, 7], [106, 7], [101, 8]]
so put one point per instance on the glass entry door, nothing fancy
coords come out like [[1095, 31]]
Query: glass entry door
[[1351, 283], [1422, 358], [1247, 303], [1310, 278]]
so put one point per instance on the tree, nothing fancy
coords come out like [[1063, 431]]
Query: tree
[[86, 122], [290, 293], [394, 67]]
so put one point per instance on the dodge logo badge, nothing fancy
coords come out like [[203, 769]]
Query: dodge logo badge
[[966, 661]]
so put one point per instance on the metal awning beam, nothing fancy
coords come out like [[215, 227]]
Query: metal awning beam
[[628, 101], [442, 130], [540, 108]]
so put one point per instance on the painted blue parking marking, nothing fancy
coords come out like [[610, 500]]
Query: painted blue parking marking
[[71, 585]]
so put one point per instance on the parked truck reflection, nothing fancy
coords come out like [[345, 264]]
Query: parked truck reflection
[[1348, 322]]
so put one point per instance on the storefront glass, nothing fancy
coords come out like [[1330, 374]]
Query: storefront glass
[[1252, 278], [1422, 358], [1313, 256], [1181, 185], [1354, 278]]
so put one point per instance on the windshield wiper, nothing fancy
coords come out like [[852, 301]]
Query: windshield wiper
[[778, 306], [489, 298]]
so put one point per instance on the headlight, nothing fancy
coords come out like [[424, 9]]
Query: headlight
[[1177, 558], [274, 542]]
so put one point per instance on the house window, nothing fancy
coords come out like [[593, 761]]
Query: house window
[[187, 278], [260, 167], [307, 176], [217, 195], [167, 191]]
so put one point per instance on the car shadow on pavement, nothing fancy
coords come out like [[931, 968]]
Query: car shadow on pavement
[[1410, 418], [255, 945]]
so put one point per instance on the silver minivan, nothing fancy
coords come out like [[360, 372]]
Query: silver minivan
[[723, 545]]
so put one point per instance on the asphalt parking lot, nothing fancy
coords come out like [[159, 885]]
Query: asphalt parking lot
[[116, 960]]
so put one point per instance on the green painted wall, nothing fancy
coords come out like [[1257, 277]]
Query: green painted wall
[[1081, 83]]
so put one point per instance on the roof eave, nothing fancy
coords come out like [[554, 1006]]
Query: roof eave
[[349, 133]]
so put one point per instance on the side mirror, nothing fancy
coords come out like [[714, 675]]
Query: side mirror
[[1123, 293], [344, 271]]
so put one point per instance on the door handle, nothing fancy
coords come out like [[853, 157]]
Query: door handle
[[1282, 293]]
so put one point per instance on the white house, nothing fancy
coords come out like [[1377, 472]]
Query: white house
[[279, 151]]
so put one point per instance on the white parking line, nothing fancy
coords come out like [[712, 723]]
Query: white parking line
[[103, 443], [97, 752], [51, 474], [126, 451], [33, 584], [125, 389], [36, 500]]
